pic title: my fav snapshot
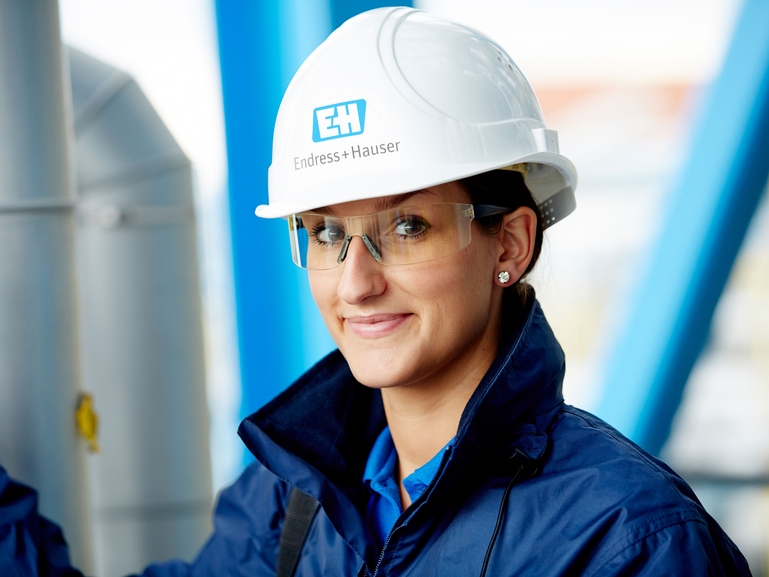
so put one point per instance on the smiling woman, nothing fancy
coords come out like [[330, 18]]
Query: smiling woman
[[436, 440]]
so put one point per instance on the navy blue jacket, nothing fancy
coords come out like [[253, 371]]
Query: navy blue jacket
[[584, 500]]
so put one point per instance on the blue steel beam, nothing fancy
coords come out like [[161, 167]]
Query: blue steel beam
[[261, 44], [705, 223]]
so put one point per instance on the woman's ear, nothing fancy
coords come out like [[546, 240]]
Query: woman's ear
[[518, 237]]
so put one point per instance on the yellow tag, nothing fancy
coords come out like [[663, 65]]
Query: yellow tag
[[87, 421]]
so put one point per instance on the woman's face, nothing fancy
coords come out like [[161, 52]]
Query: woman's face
[[410, 324]]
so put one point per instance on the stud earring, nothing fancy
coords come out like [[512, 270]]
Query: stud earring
[[503, 277]]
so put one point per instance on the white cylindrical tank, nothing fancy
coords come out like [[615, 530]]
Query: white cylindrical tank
[[142, 327]]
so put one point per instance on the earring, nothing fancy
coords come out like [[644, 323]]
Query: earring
[[503, 277]]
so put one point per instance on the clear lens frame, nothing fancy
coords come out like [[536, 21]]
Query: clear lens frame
[[397, 236]]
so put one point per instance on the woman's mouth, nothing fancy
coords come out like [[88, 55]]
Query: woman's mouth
[[375, 326]]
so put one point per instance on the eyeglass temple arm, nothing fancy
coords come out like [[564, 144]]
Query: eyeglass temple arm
[[482, 210]]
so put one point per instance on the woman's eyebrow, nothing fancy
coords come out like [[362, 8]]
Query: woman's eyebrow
[[381, 204], [392, 202]]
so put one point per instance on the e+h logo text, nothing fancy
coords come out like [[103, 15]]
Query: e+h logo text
[[338, 120]]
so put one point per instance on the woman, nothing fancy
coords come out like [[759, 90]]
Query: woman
[[417, 175]]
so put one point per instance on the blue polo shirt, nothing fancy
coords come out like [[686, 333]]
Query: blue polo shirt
[[384, 505]]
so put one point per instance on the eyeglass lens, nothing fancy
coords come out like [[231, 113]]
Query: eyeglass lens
[[403, 235]]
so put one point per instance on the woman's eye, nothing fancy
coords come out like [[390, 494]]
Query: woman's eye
[[411, 226], [328, 234]]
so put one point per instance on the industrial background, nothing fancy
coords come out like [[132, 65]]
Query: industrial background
[[135, 138]]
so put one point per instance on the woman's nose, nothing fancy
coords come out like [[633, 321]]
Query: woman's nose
[[361, 274]]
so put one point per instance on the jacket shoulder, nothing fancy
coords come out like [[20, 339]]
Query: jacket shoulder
[[30, 544], [581, 440], [643, 514]]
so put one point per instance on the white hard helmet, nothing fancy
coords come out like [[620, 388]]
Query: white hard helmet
[[397, 100]]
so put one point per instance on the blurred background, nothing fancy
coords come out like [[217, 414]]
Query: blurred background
[[180, 312]]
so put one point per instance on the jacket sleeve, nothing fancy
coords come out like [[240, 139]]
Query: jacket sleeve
[[687, 549], [30, 545], [247, 523]]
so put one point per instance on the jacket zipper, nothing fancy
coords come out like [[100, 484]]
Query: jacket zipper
[[397, 525], [384, 548], [423, 495]]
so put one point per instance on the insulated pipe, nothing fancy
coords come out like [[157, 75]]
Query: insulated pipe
[[39, 377], [142, 326]]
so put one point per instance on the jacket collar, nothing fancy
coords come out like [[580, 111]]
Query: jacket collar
[[317, 434]]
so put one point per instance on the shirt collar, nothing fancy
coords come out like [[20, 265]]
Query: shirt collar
[[381, 465]]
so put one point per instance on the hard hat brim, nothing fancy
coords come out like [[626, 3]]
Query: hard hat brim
[[373, 185]]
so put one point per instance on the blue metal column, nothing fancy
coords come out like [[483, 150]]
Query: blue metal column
[[342, 10], [261, 44], [705, 223], [254, 45]]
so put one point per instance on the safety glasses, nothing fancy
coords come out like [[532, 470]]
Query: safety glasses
[[403, 235]]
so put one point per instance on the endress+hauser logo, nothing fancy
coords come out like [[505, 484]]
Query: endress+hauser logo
[[338, 120]]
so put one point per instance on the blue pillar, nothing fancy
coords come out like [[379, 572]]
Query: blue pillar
[[704, 225], [261, 44], [342, 10]]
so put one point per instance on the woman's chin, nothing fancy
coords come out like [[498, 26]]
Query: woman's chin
[[377, 372], [373, 378]]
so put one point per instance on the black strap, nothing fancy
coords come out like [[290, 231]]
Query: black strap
[[300, 512]]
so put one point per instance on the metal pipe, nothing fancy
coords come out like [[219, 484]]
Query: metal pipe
[[39, 376]]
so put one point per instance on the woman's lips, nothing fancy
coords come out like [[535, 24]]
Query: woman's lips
[[375, 326]]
